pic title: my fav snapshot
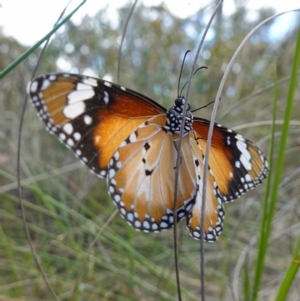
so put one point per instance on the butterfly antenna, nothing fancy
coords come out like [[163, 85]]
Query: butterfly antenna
[[203, 107], [203, 67], [183, 88], [181, 72]]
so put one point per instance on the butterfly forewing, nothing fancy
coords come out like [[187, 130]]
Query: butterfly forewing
[[92, 117], [236, 163]]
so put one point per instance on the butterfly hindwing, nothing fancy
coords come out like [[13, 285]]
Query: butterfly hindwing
[[213, 208], [142, 177]]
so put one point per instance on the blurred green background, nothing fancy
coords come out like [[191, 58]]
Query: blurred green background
[[67, 207]]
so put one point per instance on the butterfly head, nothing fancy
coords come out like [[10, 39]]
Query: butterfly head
[[175, 117]]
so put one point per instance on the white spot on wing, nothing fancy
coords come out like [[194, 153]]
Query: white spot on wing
[[163, 225], [46, 83], [33, 86], [246, 163], [77, 136], [106, 97], [90, 81], [68, 128], [74, 110], [196, 234], [154, 227], [130, 217], [210, 236], [70, 142], [79, 96], [111, 173], [62, 136], [239, 137], [116, 155], [248, 178], [132, 137], [87, 119], [52, 77], [246, 156], [146, 224], [107, 84], [137, 224]]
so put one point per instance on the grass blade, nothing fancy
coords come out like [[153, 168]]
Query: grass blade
[[266, 223], [38, 44], [288, 279]]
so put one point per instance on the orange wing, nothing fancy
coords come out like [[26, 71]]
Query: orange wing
[[213, 210], [90, 116], [235, 166], [236, 163], [142, 175]]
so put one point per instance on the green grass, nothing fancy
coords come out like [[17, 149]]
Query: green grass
[[21, 58], [271, 195], [88, 253]]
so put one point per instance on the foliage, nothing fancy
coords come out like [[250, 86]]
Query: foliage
[[66, 206]]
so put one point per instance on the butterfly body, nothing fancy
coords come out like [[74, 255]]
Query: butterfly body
[[132, 141]]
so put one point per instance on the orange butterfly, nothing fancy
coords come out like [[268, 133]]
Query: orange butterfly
[[132, 141]]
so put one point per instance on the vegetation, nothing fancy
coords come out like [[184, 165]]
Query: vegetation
[[67, 208]]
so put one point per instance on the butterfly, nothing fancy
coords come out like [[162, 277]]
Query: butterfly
[[132, 141]]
